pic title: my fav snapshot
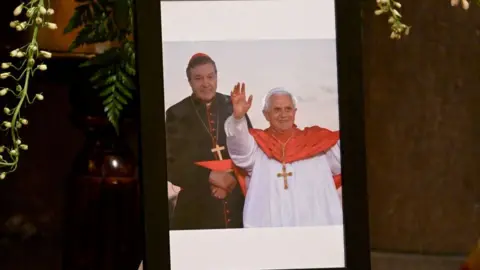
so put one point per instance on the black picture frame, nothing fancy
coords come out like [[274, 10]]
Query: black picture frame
[[153, 148]]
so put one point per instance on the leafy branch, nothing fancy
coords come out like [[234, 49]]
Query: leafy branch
[[27, 60], [391, 9], [102, 21]]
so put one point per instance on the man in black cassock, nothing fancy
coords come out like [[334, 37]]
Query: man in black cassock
[[194, 126]]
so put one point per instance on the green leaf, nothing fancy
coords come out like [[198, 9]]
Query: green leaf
[[76, 19], [121, 13], [126, 80]]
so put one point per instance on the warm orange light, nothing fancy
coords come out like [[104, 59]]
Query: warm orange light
[[56, 40]]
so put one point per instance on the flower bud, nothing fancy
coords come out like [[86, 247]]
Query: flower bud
[[14, 24], [2, 175], [3, 92], [24, 147], [6, 65], [18, 88], [42, 10], [13, 152], [7, 124], [6, 110], [30, 12], [396, 13], [20, 54], [50, 11], [24, 121], [454, 2], [39, 96], [465, 4], [4, 75], [42, 67], [38, 20], [2, 148], [52, 26], [31, 62], [18, 125], [379, 12], [18, 10], [18, 142], [391, 20], [14, 53], [46, 54], [397, 5]]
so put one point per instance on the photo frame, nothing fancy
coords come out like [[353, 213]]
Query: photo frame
[[172, 245]]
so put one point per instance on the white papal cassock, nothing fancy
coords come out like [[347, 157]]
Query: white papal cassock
[[311, 198]]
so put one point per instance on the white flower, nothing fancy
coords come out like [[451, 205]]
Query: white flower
[[39, 96], [52, 26], [6, 110], [14, 53], [24, 147], [14, 24], [38, 20], [50, 11], [2, 175], [4, 75], [42, 67], [3, 92], [18, 10], [7, 124], [46, 54], [20, 54], [465, 4], [6, 65], [24, 121], [43, 11]]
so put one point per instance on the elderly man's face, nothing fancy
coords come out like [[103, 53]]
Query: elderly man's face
[[281, 112], [204, 81]]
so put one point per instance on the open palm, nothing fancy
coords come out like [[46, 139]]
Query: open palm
[[239, 101]]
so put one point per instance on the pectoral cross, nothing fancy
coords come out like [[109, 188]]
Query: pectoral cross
[[285, 175], [218, 149]]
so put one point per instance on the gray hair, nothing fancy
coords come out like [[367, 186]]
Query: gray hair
[[277, 91]]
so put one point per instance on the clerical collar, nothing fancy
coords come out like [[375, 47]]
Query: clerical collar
[[199, 102]]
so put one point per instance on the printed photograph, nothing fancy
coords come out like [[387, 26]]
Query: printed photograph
[[252, 134], [252, 130]]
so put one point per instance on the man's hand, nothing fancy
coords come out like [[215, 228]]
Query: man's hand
[[218, 193], [222, 180], [240, 104]]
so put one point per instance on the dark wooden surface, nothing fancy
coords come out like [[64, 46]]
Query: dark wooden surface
[[422, 117]]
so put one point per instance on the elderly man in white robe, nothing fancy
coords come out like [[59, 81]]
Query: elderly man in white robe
[[290, 174]]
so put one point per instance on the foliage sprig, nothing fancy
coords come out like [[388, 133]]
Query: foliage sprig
[[391, 8], [26, 61], [108, 21]]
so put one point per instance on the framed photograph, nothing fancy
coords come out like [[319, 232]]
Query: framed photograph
[[252, 139]]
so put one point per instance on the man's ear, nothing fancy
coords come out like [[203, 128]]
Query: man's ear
[[266, 116]]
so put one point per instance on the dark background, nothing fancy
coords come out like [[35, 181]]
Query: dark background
[[422, 101]]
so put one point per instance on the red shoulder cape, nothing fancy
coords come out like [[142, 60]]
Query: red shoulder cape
[[305, 144]]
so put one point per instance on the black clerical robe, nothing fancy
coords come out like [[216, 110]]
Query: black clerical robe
[[193, 128]]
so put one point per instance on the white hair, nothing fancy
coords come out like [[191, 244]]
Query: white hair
[[277, 91]]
